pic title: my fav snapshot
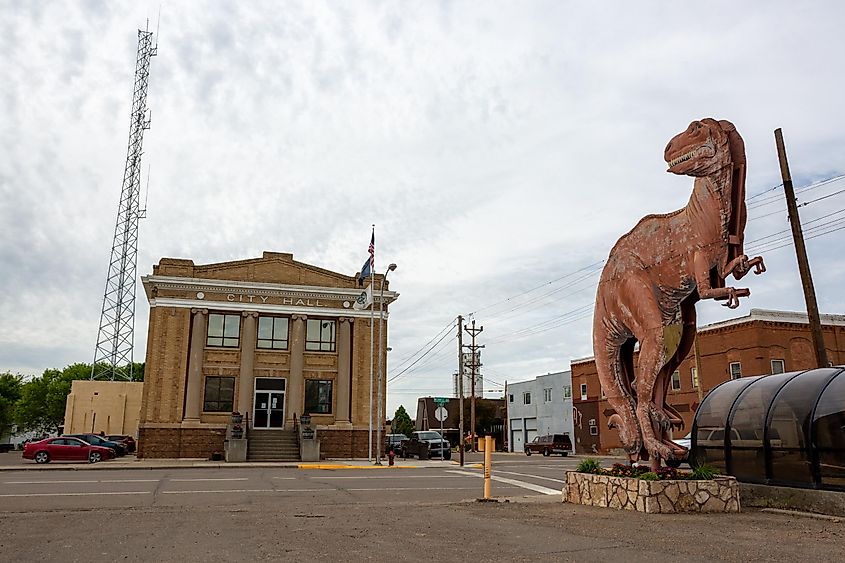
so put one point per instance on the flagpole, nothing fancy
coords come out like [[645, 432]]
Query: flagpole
[[372, 342]]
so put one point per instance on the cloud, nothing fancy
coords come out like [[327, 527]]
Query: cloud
[[496, 147]]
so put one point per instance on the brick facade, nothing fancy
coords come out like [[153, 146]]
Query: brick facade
[[754, 342], [176, 419]]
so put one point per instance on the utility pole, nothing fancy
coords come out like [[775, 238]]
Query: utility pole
[[801, 252], [461, 387], [475, 364]]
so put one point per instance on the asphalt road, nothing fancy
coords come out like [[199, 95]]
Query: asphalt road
[[391, 514]]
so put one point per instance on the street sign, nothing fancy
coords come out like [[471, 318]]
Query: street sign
[[441, 401], [441, 413]]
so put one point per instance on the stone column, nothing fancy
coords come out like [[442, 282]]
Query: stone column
[[193, 390], [296, 383], [344, 363], [246, 377]]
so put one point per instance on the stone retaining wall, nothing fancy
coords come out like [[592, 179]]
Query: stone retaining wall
[[719, 495]]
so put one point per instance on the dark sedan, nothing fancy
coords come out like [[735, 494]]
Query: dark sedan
[[127, 441], [65, 448], [98, 440]]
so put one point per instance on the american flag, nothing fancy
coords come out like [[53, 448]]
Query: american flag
[[370, 264]]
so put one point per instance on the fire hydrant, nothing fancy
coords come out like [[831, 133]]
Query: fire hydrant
[[390, 455]]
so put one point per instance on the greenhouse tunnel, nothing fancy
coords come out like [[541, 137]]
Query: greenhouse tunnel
[[786, 429]]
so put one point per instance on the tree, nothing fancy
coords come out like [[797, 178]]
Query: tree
[[402, 423], [43, 400], [10, 393]]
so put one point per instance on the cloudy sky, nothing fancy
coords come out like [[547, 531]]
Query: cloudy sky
[[500, 148]]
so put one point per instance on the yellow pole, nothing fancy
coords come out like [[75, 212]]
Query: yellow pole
[[488, 462]]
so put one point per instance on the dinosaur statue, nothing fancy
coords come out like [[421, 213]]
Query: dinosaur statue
[[653, 278]]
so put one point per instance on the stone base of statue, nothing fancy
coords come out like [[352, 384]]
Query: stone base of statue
[[309, 450], [236, 449], [720, 494]]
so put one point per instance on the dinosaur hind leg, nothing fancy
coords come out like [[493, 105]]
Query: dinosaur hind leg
[[615, 381]]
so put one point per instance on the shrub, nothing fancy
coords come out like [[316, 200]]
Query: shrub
[[667, 473], [704, 472], [649, 476], [588, 465]]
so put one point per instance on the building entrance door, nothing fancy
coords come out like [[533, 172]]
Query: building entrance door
[[269, 404]]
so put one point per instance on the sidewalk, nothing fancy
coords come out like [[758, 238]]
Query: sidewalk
[[131, 462]]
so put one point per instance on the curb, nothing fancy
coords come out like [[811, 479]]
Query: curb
[[203, 465]]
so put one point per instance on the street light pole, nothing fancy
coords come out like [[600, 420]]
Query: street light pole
[[381, 339]]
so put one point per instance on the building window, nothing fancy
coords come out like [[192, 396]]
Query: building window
[[223, 330], [778, 366], [676, 380], [320, 335], [694, 373], [736, 370], [318, 396], [219, 394], [526, 398], [567, 391], [510, 398], [273, 333], [547, 395], [583, 391]]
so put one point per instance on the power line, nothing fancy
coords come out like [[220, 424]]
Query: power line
[[418, 359], [536, 288], [448, 327]]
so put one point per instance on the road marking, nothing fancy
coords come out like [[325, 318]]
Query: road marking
[[285, 478], [43, 482], [99, 493], [130, 480], [417, 489], [210, 479], [247, 491], [529, 475], [523, 484], [220, 491], [81, 481], [386, 477]]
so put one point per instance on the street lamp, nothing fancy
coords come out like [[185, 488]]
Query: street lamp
[[381, 339]]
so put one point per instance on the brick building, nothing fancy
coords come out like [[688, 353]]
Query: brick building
[[269, 337], [763, 342]]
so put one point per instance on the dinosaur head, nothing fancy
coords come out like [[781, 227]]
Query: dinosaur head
[[701, 150]]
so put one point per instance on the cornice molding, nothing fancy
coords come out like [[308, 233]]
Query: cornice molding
[[154, 283], [262, 308]]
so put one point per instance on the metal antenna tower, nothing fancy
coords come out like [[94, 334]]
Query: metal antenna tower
[[115, 338]]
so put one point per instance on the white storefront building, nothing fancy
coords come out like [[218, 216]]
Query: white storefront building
[[540, 406]]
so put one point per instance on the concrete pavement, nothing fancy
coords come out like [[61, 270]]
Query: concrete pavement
[[12, 461]]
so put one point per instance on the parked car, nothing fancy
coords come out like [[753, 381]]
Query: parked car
[[426, 443], [127, 441], [394, 442], [550, 444], [97, 440], [686, 442], [65, 448]]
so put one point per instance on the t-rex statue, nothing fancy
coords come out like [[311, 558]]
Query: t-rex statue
[[653, 278]]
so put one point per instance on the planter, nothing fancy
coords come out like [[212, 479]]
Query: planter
[[717, 495]]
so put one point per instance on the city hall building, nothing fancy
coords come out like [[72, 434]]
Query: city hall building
[[270, 338]]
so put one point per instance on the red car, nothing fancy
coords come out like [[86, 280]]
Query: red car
[[65, 449]]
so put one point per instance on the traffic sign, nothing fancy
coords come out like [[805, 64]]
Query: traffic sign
[[441, 401], [440, 414]]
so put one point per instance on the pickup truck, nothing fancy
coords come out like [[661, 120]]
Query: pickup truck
[[426, 444]]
